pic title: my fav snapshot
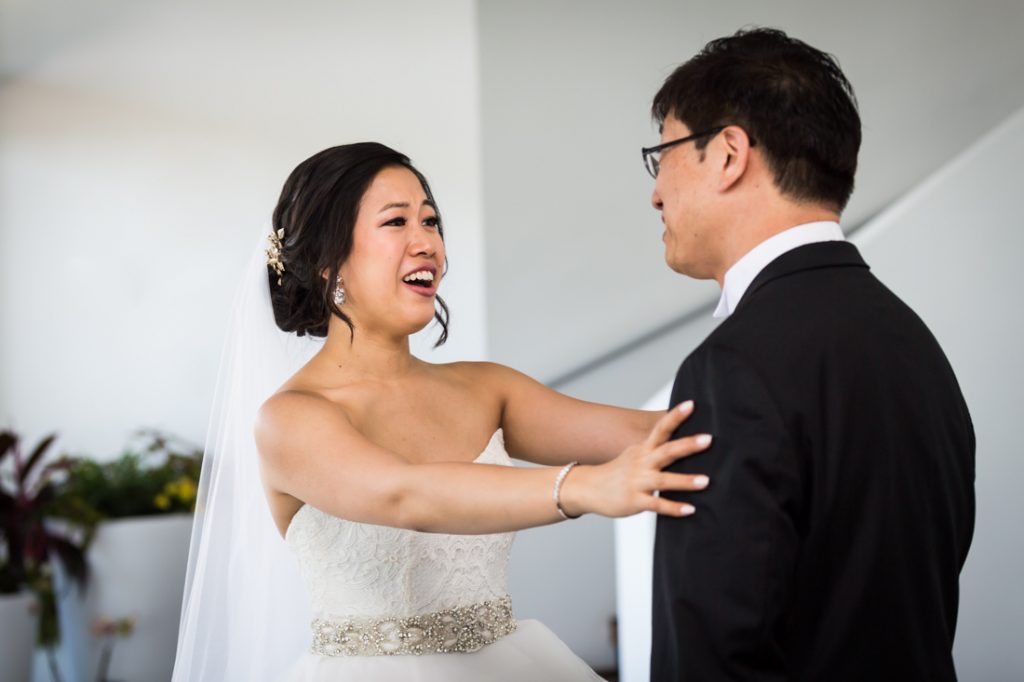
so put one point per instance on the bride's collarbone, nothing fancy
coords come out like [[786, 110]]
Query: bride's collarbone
[[441, 413], [426, 424], [427, 438]]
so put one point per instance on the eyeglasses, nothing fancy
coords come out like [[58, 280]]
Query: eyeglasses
[[652, 155]]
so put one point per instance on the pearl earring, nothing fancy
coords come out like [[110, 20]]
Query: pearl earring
[[339, 292]]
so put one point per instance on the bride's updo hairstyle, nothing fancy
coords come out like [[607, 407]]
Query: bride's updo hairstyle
[[317, 211]]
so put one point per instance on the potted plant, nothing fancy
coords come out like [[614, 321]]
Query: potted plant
[[157, 474], [27, 547], [136, 514]]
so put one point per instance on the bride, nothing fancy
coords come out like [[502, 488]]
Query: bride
[[392, 500]]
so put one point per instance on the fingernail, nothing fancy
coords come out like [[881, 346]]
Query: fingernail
[[701, 481], [704, 440], [686, 509], [686, 407]]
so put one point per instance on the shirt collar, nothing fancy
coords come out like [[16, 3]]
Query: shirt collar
[[742, 273]]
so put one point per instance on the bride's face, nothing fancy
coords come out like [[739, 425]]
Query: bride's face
[[393, 271]]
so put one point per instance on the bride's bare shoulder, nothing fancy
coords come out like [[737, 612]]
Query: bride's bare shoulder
[[309, 391], [491, 378], [476, 372], [297, 408], [288, 399]]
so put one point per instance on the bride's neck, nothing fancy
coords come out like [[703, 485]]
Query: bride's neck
[[367, 355]]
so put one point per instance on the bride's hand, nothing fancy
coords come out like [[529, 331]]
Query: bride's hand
[[627, 484]]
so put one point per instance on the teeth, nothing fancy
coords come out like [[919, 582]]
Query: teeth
[[422, 275]]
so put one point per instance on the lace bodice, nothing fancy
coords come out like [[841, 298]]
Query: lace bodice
[[366, 571]]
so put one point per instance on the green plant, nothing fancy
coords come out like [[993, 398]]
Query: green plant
[[28, 495], [158, 474]]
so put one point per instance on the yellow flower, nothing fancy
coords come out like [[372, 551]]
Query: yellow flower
[[186, 490], [162, 501]]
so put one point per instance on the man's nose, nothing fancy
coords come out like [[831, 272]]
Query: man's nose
[[656, 201]]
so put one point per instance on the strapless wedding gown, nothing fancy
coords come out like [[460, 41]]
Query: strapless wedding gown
[[395, 605]]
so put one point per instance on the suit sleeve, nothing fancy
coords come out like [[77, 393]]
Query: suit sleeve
[[723, 577]]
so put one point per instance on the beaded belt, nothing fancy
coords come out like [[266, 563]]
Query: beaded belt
[[462, 629]]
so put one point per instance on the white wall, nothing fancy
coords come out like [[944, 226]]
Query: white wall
[[142, 144], [574, 255], [573, 251], [950, 248], [142, 154], [140, 159]]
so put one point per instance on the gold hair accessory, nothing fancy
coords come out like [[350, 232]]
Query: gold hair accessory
[[274, 253]]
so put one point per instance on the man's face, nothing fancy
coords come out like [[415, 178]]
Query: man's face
[[683, 192]]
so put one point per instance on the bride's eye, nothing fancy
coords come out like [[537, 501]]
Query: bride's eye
[[432, 221], [396, 222]]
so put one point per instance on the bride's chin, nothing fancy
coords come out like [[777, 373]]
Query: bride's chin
[[413, 324]]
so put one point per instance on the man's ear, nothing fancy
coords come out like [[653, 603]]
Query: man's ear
[[736, 144]]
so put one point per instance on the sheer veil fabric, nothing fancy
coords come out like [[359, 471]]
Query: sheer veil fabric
[[245, 614]]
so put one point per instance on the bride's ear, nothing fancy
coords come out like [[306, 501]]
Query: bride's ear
[[326, 273]]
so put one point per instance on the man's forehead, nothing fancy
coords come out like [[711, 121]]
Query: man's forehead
[[672, 128]]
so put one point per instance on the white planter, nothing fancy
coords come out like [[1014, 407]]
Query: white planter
[[17, 636], [137, 569]]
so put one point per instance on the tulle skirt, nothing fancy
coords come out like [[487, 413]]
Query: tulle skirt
[[530, 654]]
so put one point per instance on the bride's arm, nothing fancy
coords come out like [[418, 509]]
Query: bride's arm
[[547, 427], [309, 450]]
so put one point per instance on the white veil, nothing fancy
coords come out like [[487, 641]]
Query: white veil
[[245, 614]]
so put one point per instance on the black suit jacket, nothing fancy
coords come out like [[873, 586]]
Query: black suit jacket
[[829, 543]]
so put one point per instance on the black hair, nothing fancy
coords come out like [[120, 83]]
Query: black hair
[[317, 211], [789, 97]]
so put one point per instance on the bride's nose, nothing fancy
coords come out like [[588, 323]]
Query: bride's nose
[[423, 245]]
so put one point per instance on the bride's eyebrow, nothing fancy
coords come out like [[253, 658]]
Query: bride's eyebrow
[[405, 204]]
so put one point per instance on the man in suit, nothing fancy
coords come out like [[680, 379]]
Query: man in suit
[[829, 542]]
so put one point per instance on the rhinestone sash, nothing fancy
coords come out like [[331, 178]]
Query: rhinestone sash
[[462, 629]]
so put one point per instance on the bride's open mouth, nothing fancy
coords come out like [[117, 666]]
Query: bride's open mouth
[[421, 281]]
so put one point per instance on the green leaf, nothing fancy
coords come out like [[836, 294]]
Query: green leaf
[[48, 633]]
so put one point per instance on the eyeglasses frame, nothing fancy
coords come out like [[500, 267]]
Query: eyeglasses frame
[[646, 152]]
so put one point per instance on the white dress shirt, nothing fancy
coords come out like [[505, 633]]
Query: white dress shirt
[[743, 272]]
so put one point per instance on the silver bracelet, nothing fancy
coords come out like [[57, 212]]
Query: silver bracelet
[[558, 489]]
